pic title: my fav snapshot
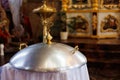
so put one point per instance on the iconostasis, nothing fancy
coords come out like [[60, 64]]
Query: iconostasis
[[93, 18]]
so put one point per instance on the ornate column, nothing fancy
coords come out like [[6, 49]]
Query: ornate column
[[64, 5], [95, 4]]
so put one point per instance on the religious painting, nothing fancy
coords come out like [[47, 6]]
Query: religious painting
[[79, 1], [39, 0], [110, 4], [77, 24], [81, 24], [34, 0], [79, 4], [109, 24]]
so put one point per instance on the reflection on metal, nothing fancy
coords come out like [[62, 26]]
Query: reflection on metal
[[45, 12]]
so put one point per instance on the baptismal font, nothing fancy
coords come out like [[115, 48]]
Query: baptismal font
[[47, 60]]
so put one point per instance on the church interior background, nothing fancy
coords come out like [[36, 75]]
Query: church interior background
[[93, 25]]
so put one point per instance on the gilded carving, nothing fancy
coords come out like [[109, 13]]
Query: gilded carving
[[95, 4], [94, 23], [65, 5]]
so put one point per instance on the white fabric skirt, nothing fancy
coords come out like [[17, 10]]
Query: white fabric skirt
[[9, 73]]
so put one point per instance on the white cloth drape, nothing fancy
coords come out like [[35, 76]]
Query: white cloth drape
[[15, 6], [10, 73], [15, 10], [0, 72]]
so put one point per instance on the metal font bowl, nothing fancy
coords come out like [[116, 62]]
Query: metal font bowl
[[42, 57]]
